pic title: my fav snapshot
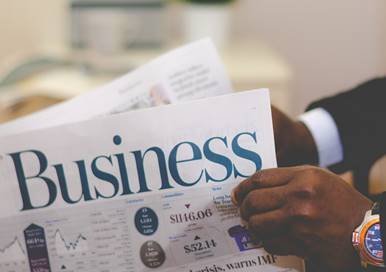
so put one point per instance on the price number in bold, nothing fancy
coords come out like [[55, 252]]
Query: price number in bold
[[200, 246], [190, 216]]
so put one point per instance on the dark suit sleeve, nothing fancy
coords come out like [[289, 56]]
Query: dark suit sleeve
[[360, 117]]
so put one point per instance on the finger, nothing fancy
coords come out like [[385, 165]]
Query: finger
[[262, 200], [262, 179], [269, 225], [280, 245], [284, 245]]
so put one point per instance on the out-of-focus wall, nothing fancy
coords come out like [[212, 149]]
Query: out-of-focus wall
[[330, 45], [29, 26]]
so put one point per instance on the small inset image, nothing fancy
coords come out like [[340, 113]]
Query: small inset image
[[159, 96], [243, 238], [146, 221], [152, 254]]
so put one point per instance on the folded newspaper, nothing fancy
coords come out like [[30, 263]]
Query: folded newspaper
[[85, 189]]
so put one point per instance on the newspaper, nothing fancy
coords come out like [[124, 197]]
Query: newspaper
[[190, 72], [146, 190], [85, 186]]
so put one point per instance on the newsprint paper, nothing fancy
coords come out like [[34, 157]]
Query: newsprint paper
[[147, 190], [191, 72]]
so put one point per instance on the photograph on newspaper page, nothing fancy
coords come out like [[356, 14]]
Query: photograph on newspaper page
[[146, 190]]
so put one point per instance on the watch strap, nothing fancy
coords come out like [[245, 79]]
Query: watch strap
[[376, 209], [371, 268], [382, 217]]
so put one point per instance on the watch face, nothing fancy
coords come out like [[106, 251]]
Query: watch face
[[373, 242]]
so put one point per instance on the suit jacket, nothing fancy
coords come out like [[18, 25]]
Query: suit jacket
[[360, 115]]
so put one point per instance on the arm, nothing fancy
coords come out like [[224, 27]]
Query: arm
[[353, 124], [359, 115]]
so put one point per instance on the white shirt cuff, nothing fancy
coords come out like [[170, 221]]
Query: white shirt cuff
[[326, 136]]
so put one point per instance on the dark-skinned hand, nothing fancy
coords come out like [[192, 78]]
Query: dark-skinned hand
[[304, 211]]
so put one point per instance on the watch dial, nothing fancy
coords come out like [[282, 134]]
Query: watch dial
[[373, 242]]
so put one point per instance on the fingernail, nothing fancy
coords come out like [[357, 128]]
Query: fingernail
[[233, 197]]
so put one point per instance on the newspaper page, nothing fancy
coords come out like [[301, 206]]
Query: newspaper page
[[190, 72], [146, 190]]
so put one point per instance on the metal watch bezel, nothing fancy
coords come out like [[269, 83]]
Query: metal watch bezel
[[358, 240]]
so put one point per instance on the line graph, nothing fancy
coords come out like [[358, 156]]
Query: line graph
[[71, 239], [64, 246], [13, 251]]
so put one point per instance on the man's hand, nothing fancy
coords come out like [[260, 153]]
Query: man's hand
[[294, 142], [304, 211]]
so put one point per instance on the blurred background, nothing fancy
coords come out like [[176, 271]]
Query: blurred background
[[52, 50]]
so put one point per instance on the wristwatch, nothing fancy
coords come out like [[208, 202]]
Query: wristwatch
[[367, 241]]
